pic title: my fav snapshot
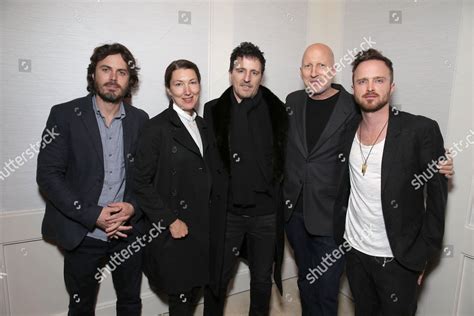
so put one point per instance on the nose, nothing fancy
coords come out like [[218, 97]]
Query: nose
[[187, 90], [370, 86], [113, 75], [247, 77], [314, 73]]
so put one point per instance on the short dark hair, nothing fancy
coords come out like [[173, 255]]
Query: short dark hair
[[102, 52], [371, 54], [180, 64], [246, 49]]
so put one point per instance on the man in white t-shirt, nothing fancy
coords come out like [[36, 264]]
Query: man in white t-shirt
[[392, 224]]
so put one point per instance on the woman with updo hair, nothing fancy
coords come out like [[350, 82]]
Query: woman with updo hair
[[173, 184]]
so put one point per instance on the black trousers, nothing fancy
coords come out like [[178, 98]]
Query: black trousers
[[95, 260], [318, 290], [183, 304], [260, 235], [381, 286]]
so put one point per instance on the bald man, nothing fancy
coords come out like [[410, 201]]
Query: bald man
[[317, 116]]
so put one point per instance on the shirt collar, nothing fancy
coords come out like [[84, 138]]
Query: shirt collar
[[120, 114], [184, 114]]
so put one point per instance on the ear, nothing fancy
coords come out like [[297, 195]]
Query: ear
[[392, 88], [168, 92]]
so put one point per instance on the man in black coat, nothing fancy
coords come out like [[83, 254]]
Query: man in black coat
[[85, 174], [392, 224], [248, 123], [318, 115]]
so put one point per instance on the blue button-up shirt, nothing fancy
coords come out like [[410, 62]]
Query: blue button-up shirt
[[114, 162]]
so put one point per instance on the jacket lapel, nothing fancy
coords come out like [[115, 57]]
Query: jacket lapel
[[205, 147], [221, 118], [338, 116], [300, 120], [86, 112], [181, 134], [390, 151], [127, 135]]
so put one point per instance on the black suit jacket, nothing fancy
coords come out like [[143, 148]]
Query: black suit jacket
[[315, 172], [414, 224], [70, 170], [173, 181]]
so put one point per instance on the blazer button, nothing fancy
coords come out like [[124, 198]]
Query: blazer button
[[174, 193], [174, 149], [201, 169], [173, 171]]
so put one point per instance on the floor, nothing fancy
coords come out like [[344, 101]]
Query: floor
[[286, 305]]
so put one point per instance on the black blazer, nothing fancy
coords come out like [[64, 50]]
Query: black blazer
[[316, 172], [173, 181], [70, 170], [414, 224]]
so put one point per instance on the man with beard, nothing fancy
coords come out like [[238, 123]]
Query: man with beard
[[248, 123], [85, 175], [385, 148]]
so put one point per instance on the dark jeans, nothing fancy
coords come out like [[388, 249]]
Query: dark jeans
[[183, 304], [381, 286], [83, 274], [260, 235], [319, 290]]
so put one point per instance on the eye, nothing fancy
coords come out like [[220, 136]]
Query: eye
[[321, 65], [123, 73], [380, 80], [194, 82], [240, 71], [361, 81], [307, 66], [105, 69], [178, 84], [255, 73]]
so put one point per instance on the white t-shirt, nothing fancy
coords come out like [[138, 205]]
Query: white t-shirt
[[365, 225], [190, 124]]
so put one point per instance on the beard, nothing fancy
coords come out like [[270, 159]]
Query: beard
[[371, 106], [108, 96]]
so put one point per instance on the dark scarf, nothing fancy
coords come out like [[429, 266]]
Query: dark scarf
[[221, 115], [245, 175]]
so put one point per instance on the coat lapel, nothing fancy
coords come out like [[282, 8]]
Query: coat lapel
[[203, 132], [390, 151], [181, 134], [86, 112], [127, 135], [300, 120], [338, 116]]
